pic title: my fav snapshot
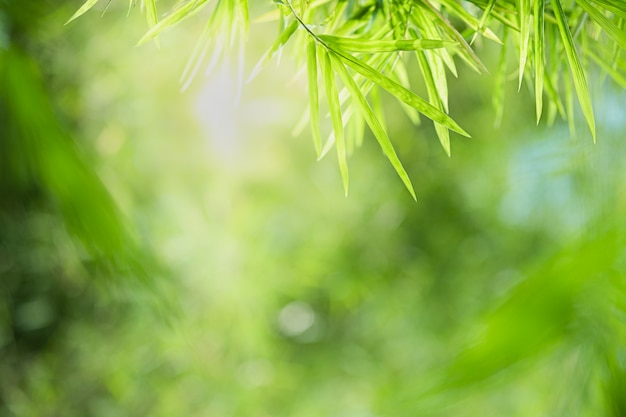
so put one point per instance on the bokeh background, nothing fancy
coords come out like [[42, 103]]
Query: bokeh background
[[168, 253]]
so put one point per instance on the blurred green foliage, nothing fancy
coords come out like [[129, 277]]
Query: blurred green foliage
[[167, 253]]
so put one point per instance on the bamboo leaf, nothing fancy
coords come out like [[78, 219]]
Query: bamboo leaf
[[524, 35], [538, 12], [151, 16], [569, 109], [499, 92], [314, 105], [335, 114], [368, 114], [82, 10], [185, 10], [577, 72], [400, 92], [433, 96]]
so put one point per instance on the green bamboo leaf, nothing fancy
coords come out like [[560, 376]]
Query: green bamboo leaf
[[151, 16], [185, 10], [368, 114], [359, 129], [437, 70], [552, 78], [611, 29], [314, 105], [538, 12], [442, 132], [498, 94], [400, 92], [617, 7], [524, 36], [335, 114], [577, 72], [371, 46], [82, 10]]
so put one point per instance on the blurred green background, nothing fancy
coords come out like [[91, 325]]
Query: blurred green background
[[168, 253]]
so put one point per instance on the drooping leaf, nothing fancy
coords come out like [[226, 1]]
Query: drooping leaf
[[151, 15], [82, 10], [183, 11], [524, 36], [538, 15], [499, 92], [576, 69], [314, 109], [335, 114], [431, 87]]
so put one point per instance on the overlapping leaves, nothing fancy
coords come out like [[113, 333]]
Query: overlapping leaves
[[367, 44]]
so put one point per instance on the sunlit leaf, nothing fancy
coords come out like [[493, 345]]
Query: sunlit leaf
[[314, 110], [442, 131], [538, 15], [335, 114], [82, 10], [578, 74], [524, 36], [497, 99], [151, 15], [183, 11]]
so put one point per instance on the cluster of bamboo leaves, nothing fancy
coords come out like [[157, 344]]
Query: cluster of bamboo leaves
[[367, 46]]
